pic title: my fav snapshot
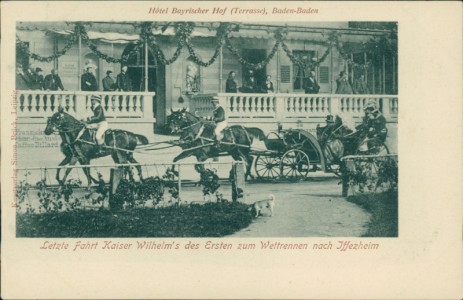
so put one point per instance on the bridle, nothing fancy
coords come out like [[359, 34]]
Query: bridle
[[58, 129]]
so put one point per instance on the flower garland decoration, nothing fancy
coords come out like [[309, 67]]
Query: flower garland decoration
[[295, 60], [261, 64], [334, 38], [222, 31], [22, 47], [181, 31], [80, 30]]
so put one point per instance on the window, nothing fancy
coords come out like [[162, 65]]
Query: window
[[300, 73]]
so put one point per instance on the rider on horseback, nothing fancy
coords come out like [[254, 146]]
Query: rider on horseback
[[98, 122], [219, 119]]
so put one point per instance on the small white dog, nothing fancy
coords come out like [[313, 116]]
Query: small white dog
[[268, 203]]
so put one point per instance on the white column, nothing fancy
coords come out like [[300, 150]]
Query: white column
[[79, 63], [146, 66], [221, 70]]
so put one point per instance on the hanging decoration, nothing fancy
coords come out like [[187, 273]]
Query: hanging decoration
[[181, 30], [254, 66], [80, 30], [385, 45], [221, 33], [305, 64], [22, 47]]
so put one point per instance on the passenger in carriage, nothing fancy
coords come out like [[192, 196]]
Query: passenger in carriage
[[98, 122], [219, 119], [373, 128]]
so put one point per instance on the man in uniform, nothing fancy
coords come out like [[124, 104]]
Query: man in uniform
[[373, 128], [98, 122], [376, 124], [219, 119]]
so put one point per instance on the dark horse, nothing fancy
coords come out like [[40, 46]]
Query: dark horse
[[84, 149], [197, 139]]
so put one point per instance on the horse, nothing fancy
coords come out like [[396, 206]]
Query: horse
[[197, 139], [84, 149]]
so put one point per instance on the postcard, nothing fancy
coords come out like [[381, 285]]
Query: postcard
[[209, 149]]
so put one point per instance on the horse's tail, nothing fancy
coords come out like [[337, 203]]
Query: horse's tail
[[141, 139], [256, 132]]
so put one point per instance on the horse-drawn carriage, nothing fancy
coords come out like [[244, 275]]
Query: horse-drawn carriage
[[289, 154]]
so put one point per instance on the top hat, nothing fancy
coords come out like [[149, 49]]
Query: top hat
[[329, 119]]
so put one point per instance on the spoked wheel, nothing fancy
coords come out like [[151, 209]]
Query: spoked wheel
[[295, 164], [267, 167]]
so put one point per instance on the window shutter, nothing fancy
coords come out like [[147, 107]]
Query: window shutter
[[324, 75], [285, 74]]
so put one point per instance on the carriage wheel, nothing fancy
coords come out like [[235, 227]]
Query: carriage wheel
[[295, 164], [267, 167]]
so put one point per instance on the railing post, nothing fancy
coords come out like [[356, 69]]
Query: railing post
[[80, 104], [280, 107], [386, 107], [335, 105]]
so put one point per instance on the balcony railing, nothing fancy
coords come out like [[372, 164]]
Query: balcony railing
[[281, 107], [117, 105]]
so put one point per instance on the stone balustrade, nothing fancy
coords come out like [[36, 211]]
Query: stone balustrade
[[117, 105], [287, 107]]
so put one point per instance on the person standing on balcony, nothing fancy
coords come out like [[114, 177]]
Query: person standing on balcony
[[360, 86], [249, 84], [343, 85], [311, 85], [219, 119], [37, 79], [123, 81], [52, 81], [88, 81], [231, 86], [22, 82], [108, 82], [267, 87]]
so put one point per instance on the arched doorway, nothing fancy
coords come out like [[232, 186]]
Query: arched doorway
[[156, 78]]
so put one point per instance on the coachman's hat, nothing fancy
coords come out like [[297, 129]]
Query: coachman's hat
[[96, 98], [371, 105], [329, 119]]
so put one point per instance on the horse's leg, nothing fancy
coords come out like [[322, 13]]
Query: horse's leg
[[244, 158], [137, 166], [72, 162], [123, 159], [249, 159], [200, 157], [90, 179], [63, 163]]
